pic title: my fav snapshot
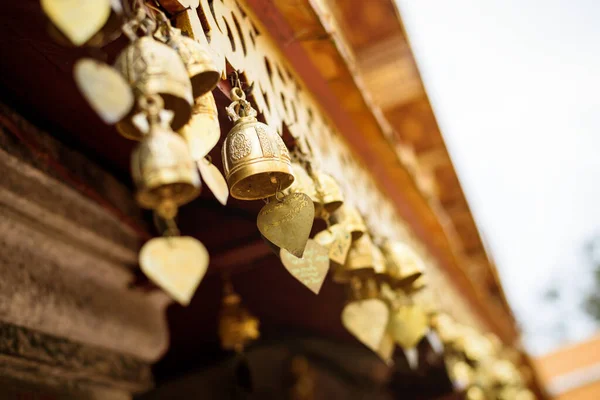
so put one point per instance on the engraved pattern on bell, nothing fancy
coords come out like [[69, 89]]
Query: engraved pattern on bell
[[240, 147], [264, 142], [152, 67], [282, 148], [200, 65], [163, 170], [255, 165]]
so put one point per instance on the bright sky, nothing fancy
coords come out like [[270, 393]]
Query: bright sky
[[515, 86]]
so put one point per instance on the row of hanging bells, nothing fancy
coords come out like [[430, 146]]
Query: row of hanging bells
[[171, 112]]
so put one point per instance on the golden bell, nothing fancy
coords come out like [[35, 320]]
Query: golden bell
[[152, 67], [329, 192], [303, 183], [163, 171], [255, 159], [200, 66], [350, 217], [359, 261], [403, 263]]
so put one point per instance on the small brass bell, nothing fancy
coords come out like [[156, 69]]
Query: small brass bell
[[350, 217], [303, 183], [403, 263], [330, 194], [152, 67], [359, 261], [199, 64], [163, 171], [255, 159]]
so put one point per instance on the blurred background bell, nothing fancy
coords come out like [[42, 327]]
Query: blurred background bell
[[379, 264], [350, 217], [329, 193], [303, 183], [163, 171], [198, 62], [152, 67], [237, 326], [359, 261], [403, 263]]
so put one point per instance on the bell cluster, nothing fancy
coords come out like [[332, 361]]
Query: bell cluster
[[479, 365], [158, 93]]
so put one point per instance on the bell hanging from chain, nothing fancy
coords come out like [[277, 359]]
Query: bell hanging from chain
[[163, 170], [255, 159], [153, 68], [403, 263], [198, 62], [350, 217]]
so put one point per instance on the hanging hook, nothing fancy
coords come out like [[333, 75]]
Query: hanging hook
[[234, 79], [236, 82]]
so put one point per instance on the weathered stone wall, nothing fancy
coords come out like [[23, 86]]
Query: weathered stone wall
[[69, 318]]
